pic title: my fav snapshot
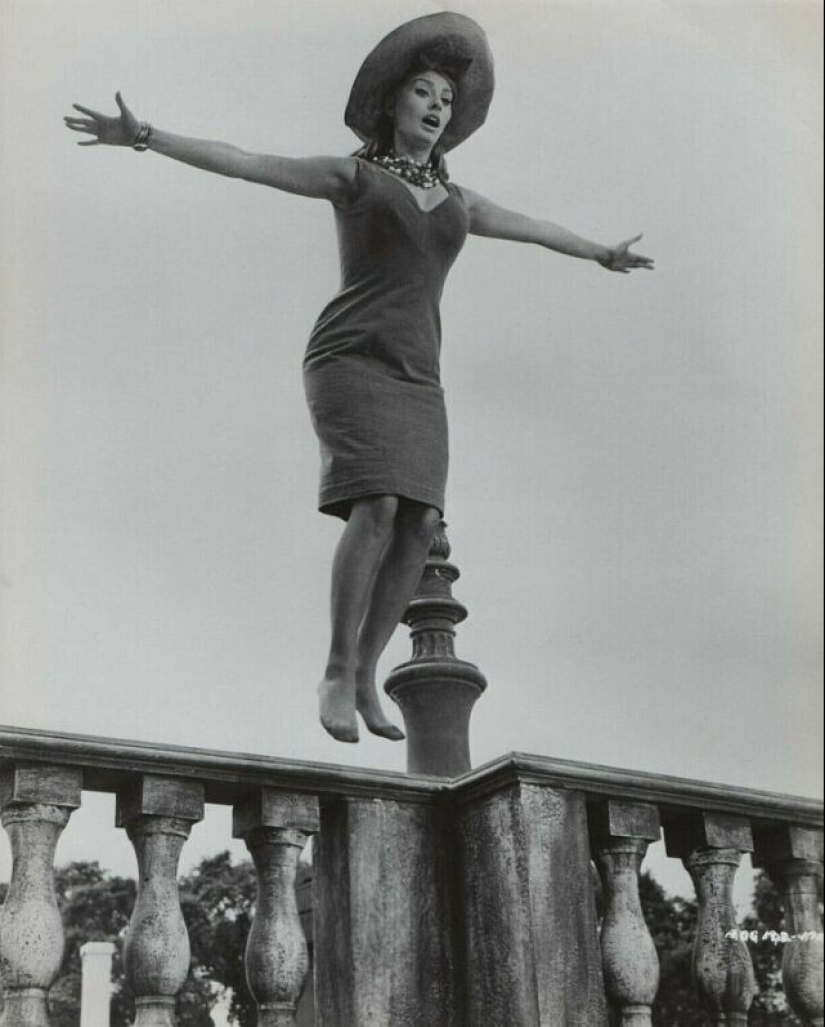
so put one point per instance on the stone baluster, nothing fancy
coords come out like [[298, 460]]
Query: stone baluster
[[158, 814], [275, 826], [710, 846], [792, 856], [435, 690], [619, 836], [36, 803]]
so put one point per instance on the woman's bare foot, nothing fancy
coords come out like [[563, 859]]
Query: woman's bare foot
[[368, 705], [336, 696]]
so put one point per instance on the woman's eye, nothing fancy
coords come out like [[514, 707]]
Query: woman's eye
[[447, 101]]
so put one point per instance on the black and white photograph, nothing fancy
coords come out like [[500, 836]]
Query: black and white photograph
[[411, 513]]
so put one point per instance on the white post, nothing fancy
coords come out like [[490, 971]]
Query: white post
[[96, 987]]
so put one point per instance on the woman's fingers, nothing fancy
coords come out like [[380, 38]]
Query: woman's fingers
[[123, 108], [623, 261], [89, 142], [90, 129], [87, 110], [623, 247]]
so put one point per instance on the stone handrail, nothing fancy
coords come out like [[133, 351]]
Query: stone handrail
[[438, 902]]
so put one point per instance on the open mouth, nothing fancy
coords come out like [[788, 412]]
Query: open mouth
[[432, 121]]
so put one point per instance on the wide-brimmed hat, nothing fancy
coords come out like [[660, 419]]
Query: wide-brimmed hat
[[449, 41]]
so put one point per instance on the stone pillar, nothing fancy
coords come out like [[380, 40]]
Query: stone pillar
[[620, 833], [275, 827], [792, 856], [96, 983], [384, 893], [711, 845], [158, 814], [532, 951], [36, 803], [435, 690]]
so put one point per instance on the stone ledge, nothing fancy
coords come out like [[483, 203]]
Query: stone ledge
[[109, 764], [673, 795]]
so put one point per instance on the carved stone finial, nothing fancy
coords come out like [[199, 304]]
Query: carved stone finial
[[440, 548], [434, 689]]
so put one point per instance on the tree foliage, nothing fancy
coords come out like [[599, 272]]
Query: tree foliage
[[217, 901], [672, 923], [95, 906]]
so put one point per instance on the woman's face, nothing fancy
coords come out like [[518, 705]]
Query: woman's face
[[422, 110]]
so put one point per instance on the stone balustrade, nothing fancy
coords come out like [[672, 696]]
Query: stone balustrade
[[438, 902]]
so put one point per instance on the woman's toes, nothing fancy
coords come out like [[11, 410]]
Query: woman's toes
[[377, 723], [388, 730], [341, 732]]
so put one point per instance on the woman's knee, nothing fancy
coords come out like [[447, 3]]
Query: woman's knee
[[419, 520], [375, 513]]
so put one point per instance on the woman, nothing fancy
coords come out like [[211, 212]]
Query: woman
[[371, 369]]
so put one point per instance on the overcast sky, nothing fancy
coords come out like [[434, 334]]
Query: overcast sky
[[634, 498]]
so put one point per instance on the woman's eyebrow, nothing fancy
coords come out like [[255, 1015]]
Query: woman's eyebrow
[[427, 82]]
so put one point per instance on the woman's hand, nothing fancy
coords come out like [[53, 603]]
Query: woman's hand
[[619, 258], [118, 131]]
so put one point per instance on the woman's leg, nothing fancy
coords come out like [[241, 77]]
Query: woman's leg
[[398, 575], [357, 557]]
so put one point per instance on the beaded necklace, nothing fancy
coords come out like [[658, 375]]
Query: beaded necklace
[[423, 175]]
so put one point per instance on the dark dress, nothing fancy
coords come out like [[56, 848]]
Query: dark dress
[[371, 370]]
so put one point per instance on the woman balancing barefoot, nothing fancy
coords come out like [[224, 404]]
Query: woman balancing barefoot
[[371, 370]]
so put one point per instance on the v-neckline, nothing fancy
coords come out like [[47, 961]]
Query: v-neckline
[[410, 193]]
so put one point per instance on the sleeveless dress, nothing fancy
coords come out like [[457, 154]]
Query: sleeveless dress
[[371, 369]]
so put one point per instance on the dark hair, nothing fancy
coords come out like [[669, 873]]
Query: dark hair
[[383, 137]]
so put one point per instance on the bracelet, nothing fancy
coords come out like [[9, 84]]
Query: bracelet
[[144, 134]]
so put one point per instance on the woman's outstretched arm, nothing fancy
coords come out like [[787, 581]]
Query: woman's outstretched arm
[[320, 177], [487, 218]]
